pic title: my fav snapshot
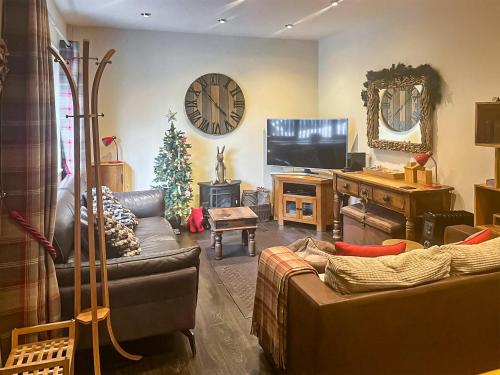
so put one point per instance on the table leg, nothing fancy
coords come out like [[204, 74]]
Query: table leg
[[218, 246], [336, 217], [251, 242], [410, 229], [212, 239], [244, 237]]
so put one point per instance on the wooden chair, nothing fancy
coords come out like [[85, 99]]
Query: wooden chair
[[50, 357]]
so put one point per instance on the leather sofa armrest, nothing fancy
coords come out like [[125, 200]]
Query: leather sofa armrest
[[147, 203], [307, 294], [457, 233]]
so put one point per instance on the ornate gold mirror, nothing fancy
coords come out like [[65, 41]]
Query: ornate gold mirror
[[400, 102]]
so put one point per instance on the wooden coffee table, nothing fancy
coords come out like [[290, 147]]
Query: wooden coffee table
[[233, 218]]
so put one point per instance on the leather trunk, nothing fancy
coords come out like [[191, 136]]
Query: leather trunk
[[371, 227]]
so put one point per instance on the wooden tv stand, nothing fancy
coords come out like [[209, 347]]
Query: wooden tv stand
[[304, 199]]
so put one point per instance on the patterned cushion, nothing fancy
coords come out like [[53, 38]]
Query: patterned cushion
[[120, 240], [474, 258], [356, 274], [113, 206]]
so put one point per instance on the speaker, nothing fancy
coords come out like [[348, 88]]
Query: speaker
[[356, 161], [435, 224]]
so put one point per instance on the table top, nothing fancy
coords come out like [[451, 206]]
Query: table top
[[231, 213], [399, 185]]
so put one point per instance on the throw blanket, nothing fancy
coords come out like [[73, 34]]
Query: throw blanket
[[276, 266]]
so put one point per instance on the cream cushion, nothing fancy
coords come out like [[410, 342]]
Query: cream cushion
[[348, 274], [466, 259]]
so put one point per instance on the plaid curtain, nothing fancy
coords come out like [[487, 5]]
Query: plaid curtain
[[29, 293], [64, 101]]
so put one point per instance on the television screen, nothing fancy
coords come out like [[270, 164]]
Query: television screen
[[307, 143]]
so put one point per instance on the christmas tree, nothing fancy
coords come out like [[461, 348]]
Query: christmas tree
[[173, 172]]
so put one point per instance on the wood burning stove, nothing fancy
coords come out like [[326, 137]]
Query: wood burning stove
[[219, 195]]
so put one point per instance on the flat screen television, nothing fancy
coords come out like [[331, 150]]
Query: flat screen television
[[307, 143]]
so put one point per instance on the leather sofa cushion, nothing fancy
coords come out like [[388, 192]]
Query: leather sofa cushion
[[65, 218], [160, 253], [143, 204]]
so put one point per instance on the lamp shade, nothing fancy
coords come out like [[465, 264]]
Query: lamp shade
[[423, 158], [106, 141]]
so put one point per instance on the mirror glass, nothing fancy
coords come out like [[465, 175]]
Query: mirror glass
[[400, 114]]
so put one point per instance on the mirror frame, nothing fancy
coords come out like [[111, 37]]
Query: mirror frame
[[395, 77]]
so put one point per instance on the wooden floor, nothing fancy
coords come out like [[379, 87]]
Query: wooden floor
[[223, 338]]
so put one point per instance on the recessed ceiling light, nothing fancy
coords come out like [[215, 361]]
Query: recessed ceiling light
[[289, 25], [222, 20], [146, 14]]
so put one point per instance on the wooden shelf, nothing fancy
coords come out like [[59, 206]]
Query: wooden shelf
[[486, 187], [85, 317], [486, 205]]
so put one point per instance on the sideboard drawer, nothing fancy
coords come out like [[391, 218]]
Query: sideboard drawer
[[366, 191], [389, 199], [347, 187]]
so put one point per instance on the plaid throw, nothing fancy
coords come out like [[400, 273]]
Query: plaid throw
[[29, 294], [276, 266]]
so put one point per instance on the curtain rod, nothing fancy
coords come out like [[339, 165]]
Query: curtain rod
[[54, 25]]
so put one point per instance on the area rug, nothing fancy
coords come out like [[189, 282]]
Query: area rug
[[237, 271]]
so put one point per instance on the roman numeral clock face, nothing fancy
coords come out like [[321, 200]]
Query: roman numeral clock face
[[215, 104]]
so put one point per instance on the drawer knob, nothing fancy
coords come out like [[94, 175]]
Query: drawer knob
[[386, 198], [346, 185]]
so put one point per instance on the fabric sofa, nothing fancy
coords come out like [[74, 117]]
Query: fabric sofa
[[150, 294], [451, 326]]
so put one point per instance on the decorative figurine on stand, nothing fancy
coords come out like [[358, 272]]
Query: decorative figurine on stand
[[220, 169]]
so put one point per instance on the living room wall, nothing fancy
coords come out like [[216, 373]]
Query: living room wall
[[151, 72], [458, 38]]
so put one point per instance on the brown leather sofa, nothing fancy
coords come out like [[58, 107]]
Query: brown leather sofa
[[448, 327], [150, 294]]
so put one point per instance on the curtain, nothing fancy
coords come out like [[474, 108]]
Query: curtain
[[64, 101], [29, 293]]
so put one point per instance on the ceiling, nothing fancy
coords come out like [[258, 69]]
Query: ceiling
[[313, 19]]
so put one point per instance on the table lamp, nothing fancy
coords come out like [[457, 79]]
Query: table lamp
[[106, 141], [422, 159]]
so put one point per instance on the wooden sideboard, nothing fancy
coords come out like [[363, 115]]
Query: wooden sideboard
[[304, 199], [113, 175], [410, 200]]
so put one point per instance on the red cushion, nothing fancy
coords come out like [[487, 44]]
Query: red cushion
[[369, 251], [477, 238]]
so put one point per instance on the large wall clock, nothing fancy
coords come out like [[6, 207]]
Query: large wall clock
[[215, 104], [401, 107]]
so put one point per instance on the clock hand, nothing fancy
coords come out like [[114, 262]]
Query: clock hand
[[404, 105], [213, 101]]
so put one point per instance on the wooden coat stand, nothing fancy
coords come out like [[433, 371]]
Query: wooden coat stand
[[97, 312]]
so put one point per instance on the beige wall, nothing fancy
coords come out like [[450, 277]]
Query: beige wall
[[151, 72], [459, 38]]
